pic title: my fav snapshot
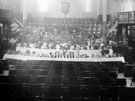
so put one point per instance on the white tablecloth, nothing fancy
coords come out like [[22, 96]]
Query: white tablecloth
[[25, 58], [48, 51]]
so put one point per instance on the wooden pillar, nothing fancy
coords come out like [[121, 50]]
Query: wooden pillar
[[98, 7], [24, 12], [104, 18], [104, 12]]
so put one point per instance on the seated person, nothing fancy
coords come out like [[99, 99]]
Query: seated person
[[55, 31], [72, 48], [32, 45], [87, 47], [33, 53], [51, 55], [92, 48], [110, 51], [19, 45], [38, 44], [46, 34], [8, 51], [25, 45], [50, 46], [67, 51], [84, 56], [44, 46], [27, 53], [19, 52], [104, 51]]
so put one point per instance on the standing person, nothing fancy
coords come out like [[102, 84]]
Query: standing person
[[74, 34], [55, 31], [61, 52], [67, 54], [93, 40], [77, 51], [72, 55], [3, 47], [57, 54], [88, 44]]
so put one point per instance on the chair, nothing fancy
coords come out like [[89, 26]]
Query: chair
[[57, 73], [121, 82], [74, 99], [18, 90], [128, 70], [4, 79], [113, 75], [22, 72], [42, 72], [5, 91], [104, 93], [52, 99], [74, 92], [103, 78], [4, 65], [121, 67], [84, 74], [34, 90], [53, 91], [113, 92], [57, 65], [12, 73], [19, 66], [36, 80], [126, 94], [133, 74], [92, 92], [37, 72], [90, 81], [19, 79], [71, 81], [11, 90], [54, 80]]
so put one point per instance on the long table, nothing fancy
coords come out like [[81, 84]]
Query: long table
[[101, 59], [48, 51]]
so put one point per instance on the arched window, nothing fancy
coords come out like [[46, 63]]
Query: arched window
[[88, 5], [43, 5], [128, 5]]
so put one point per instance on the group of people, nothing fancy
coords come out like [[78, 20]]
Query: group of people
[[62, 50], [64, 42]]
